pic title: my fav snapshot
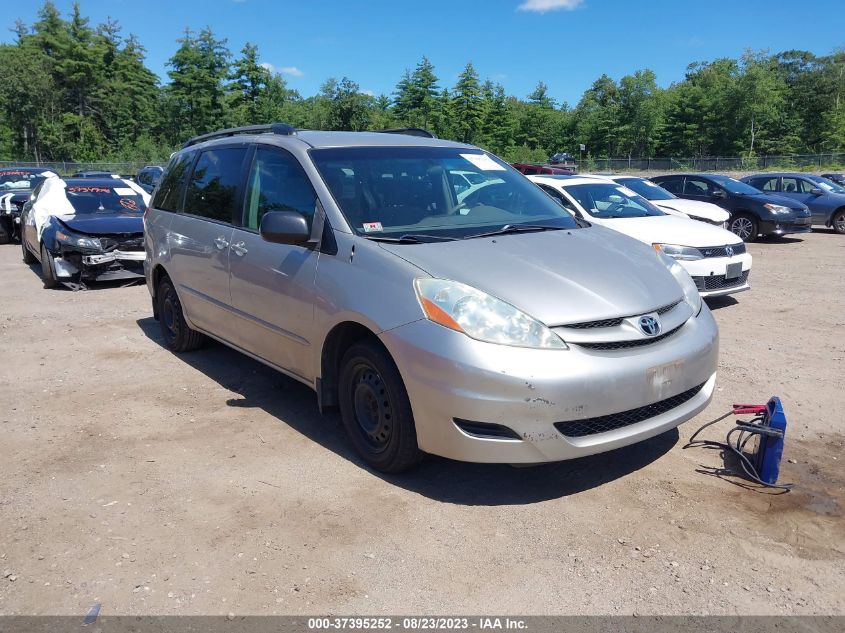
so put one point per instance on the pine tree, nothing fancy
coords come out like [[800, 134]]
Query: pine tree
[[467, 105]]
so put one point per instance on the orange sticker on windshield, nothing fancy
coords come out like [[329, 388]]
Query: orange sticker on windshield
[[129, 203]]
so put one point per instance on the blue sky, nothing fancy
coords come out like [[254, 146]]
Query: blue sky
[[566, 43]]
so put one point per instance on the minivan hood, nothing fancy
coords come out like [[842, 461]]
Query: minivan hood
[[105, 223], [671, 229], [695, 208], [557, 277]]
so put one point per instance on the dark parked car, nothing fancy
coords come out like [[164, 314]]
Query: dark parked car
[[825, 199], [530, 169], [753, 212], [16, 186], [84, 229], [148, 177], [839, 179]]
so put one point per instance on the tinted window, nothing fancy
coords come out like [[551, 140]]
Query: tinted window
[[213, 187], [169, 195], [807, 186], [765, 184], [698, 187], [733, 185], [791, 185], [673, 185], [646, 188], [19, 179], [277, 182]]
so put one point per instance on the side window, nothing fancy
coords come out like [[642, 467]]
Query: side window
[[673, 185], [169, 195], [277, 182], [698, 187], [765, 184], [213, 188], [807, 186], [562, 199], [531, 171]]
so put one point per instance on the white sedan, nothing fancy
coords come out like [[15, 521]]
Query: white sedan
[[714, 257], [671, 204]]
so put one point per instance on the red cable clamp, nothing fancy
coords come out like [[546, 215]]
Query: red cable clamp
[[743, 409]]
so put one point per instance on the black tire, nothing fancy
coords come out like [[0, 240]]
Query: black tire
[[48, 269], [838, 221], [375, 409], [5, 233], [744, 226], [178, 336], [28, 258]]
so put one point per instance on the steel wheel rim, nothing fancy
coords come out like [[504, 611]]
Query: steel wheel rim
[[742, 227], [372, 408], [168, 315], [839, 223]]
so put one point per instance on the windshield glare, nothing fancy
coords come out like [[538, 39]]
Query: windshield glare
[[96, 199], [646, 188], [734, 186], [610, 200], [440, 192]]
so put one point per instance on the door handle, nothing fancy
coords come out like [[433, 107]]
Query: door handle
[[220, 242], [239, 249]]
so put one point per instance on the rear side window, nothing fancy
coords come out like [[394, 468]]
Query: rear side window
[[277, 182], [764, 184], [213, 187], [169, 195], [672, 185], [698, 187]]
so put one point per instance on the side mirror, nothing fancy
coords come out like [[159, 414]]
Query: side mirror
[[816, 191], [720, 194], [284, 227]]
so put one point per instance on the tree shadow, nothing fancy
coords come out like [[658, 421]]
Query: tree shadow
[[295, 405]]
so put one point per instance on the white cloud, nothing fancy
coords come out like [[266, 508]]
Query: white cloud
[[369, 93], [293, 71], [542, 6]]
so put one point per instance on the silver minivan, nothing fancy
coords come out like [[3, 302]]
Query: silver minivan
[[438, 299]]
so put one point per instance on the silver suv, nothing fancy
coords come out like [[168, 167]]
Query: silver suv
[[436, 297]]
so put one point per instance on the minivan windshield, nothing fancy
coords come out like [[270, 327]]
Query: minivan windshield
[[432, 193], [646, 188], [610, 201], [735, 186]]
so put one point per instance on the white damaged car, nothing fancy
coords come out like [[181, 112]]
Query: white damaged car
[[715, 258], [673, 205]]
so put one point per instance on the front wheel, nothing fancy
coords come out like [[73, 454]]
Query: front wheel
[[178, 336], [48, 269], [744, 226], [375, 409], [839, 221]]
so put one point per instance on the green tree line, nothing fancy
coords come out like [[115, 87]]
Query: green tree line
[[77, 92]]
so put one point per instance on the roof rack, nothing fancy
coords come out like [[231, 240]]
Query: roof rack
[[282, 129], [410, 131]]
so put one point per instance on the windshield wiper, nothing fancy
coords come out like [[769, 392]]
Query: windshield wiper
[[516, 228], [410, 238]]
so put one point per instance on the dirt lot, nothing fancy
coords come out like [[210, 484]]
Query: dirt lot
[[208, 484]]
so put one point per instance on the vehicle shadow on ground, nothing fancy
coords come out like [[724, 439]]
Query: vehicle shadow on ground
[[294, 404], [717, 303], [778, 239]]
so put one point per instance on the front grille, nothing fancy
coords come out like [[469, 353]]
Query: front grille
[[592, 426], [616, 322], [718, 282], [612, 345], [131, 242], [722, 251]]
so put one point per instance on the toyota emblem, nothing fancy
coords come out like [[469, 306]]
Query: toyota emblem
[[649, 325]]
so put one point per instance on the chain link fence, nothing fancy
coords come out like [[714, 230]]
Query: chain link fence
[[798, 162], [67, 168]]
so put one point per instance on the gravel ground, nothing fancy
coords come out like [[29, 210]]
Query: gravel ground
[[208, 484]]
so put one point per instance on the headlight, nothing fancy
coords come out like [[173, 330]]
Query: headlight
[[778, 209], [685, 253], [478, 315], [691, 295], [81, 241]]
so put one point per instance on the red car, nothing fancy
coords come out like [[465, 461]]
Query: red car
[[535, 170]]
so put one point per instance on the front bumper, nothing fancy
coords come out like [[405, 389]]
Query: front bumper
[[114, 265], [450, 376], [775, 227], [710, 274]]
